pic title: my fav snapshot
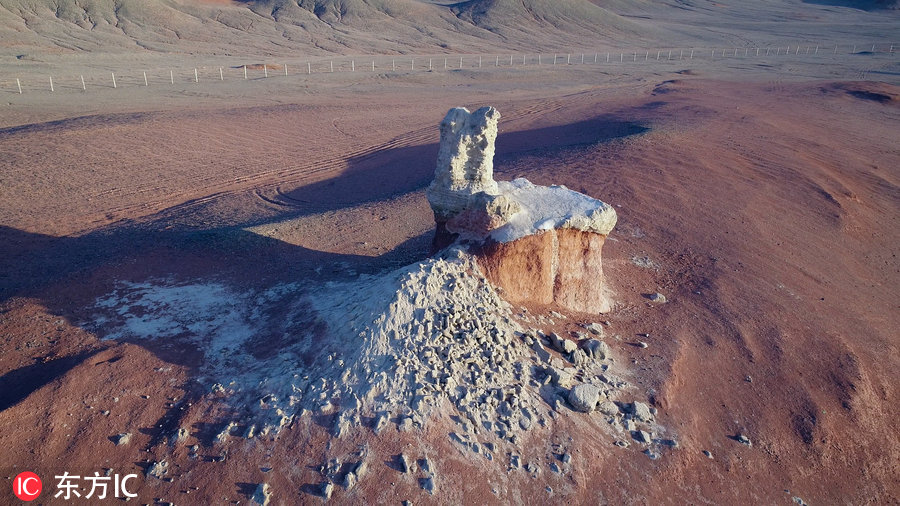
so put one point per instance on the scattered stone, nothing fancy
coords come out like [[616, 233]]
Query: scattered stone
[[748, 379], [640, 411], [561, 377], [122, 439], [158, 469], [262, 495], [428, 484], [515, 462], [381, 421], [671, 443], [584, 397], [557, 315], [630, 425], [658, 298], [407, 465], [350, 480], [708, 454], [531, 467], [579, 358], [595, 328], [327, 490], [597, 349], [542, 352], [406, 424], [744, 440], [566, 458], [555, 468], [642, 344]]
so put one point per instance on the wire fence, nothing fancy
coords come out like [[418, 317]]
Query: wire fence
[[34, 82]]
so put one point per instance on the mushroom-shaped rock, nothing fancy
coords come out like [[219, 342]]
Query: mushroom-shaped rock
[[538, 244]]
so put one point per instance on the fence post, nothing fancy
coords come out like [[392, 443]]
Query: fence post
[[873, 48], [196, 77], [757, 51], [854, 49], [479, 62], [445, 64], [429, 64], [460, 62], [621, 57], [554, 58], [670, 55], [607, 57], [245, 72], [817, 49], [221, 74], [51, 83], [19, 84], [539, 59], [352, 66], [83, 87], [582, 58], [647, 55], [681, 56], [331, 63], [692, 54], [568, 59], [308, 68], [412, 64], [497, 63], [393, 65], [114, 79], [285, 70], [373, 65], [657, 55], [145, 80], [172, 76], [595, 57], [265, 70], [634, 57]]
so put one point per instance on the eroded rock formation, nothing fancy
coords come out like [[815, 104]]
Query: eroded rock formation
[[538, 244]]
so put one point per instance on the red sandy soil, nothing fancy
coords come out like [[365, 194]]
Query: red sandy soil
[[767, 211]]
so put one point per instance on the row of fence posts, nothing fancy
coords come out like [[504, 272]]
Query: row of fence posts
[[659, 55]]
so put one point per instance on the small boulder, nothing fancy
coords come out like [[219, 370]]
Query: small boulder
[[608, 408], [643, 436], [584, 397], [657, 298], [640, 411]]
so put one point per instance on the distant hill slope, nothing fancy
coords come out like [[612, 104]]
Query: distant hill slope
[[283, 26]]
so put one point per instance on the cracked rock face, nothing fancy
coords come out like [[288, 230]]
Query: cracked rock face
[[536, 243]]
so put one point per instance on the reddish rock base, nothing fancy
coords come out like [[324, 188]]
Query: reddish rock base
[[560, 266]]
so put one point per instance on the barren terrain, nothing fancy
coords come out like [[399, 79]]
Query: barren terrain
[[759, 194]]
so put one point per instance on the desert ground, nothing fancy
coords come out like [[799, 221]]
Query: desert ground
[[165, 245]]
